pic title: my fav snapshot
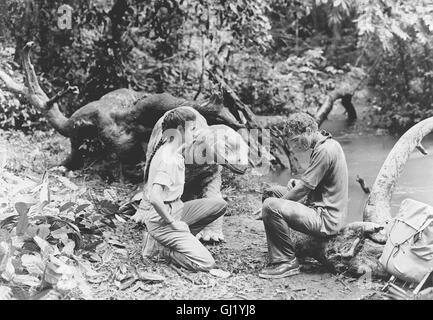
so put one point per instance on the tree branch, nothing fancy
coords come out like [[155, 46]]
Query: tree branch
[[31, 80], [421, 149], [67, 89], [362, 184]]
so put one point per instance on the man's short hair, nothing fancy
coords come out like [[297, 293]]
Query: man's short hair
[[298, 123]]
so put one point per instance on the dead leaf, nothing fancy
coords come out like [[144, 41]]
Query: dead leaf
[[4, 236], [138, 286], [66, 284], [120, 276], [17, 242], [87, 269], [67, 183], [43, 231], [116, 243], [108, 207], [46, 248], [123, 268], [122, 252], [101, 246], [51, 275], [110, 194], [5, 253], [32, 231], [127, 283], [68, 249], [5, 293], [61, 231], [85, 289], [219, 273], [60, 274], [33, 264], [49, 294], [27, 280], [119, 218], [93, 257], [81, 208], [147, 276], [42, 244], [9, 271], [97, 280], [107, 256]]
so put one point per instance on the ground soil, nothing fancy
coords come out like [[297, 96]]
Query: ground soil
[[243, 254]]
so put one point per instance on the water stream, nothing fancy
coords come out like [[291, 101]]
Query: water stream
[[365, 155]]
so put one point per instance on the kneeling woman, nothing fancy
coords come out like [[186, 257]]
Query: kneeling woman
[[172, 224]]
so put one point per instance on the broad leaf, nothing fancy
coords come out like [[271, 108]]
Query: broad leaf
[[81, 207], [66, 206]]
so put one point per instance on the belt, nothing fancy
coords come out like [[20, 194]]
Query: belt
[[169, 202]]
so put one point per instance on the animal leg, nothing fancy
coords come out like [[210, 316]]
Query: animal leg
[[75, 159], [213, 232], [131, 163]]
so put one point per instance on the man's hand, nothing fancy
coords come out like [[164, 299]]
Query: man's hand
[[179, 225], [297, 192]]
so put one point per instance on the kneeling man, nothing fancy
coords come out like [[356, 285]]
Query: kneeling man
[[324, 184]]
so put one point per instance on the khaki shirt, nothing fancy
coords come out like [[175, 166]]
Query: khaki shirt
[[168, 170], [327, 177]]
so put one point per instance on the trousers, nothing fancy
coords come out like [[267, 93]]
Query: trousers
[[280, 216], [182, 247]]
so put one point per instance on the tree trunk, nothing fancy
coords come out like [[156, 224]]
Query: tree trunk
[[378, 207], [345, 93]]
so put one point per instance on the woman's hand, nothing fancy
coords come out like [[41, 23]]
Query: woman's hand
[[292, 183], [179, 225]]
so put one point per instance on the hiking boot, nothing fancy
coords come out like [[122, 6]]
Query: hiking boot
[[152, 249], [281, 270]]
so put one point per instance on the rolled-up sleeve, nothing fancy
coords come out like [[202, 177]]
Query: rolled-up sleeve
[[319, 165], [163, 175]]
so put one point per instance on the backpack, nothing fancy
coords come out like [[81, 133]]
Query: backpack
[[408, 252]]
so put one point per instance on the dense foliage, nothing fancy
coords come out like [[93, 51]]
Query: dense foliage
[[403, 75], [278, 55]]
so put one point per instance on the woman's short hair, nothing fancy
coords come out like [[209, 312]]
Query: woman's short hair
[[298, 123], [177, 117]]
